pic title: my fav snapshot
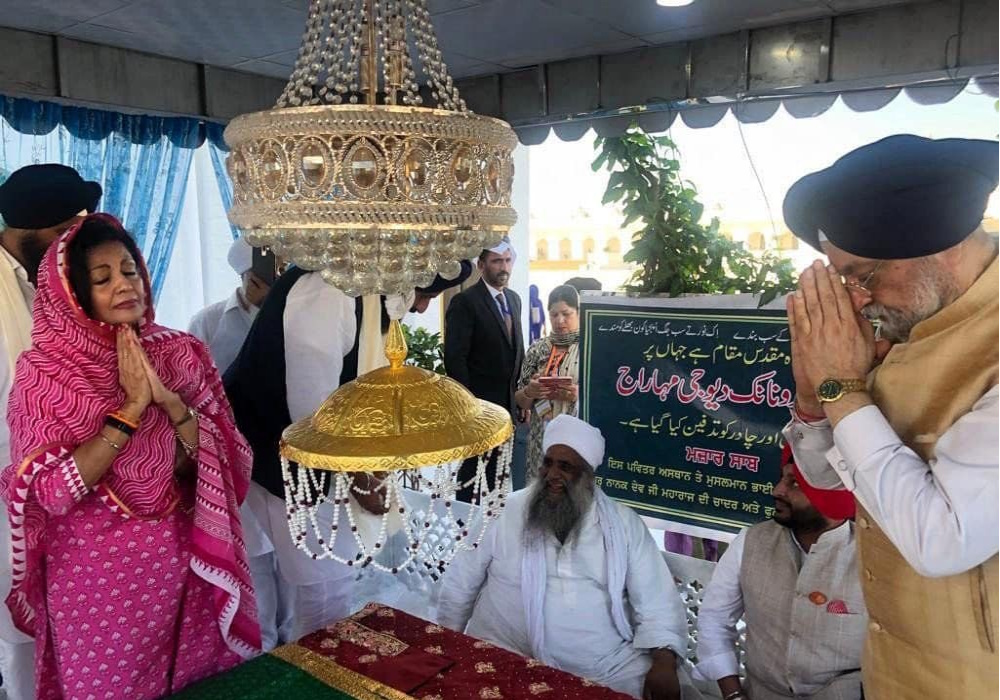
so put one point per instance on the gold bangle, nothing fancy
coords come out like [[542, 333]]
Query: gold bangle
[[188, 448], [115, 445]]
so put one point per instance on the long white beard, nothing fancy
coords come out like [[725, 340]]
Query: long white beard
[[563, 516]]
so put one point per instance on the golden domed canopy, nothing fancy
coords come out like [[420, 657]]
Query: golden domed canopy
[[394, 418]]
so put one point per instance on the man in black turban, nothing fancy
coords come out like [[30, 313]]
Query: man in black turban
[[39, 202], [912, 428]]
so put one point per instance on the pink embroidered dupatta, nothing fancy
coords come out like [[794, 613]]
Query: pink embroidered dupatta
[[64, 386]]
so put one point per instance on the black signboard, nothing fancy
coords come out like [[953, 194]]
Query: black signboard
[[691, 402]]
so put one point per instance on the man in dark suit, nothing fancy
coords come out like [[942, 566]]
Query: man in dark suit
[[483, 343]]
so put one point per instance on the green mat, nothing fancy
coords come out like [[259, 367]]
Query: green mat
[[262, 678]]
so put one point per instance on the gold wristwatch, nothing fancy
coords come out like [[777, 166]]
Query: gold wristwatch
[[834, 389]]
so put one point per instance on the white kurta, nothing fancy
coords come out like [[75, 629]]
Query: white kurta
[[481, 595], [320, 329], [943, 521], [16, 648], [297, 594], [223, 326]]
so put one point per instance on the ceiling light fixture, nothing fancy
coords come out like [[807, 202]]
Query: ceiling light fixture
[[352, 175], [674, 3]]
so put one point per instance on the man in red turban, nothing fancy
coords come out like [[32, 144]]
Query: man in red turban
[[794, 579]]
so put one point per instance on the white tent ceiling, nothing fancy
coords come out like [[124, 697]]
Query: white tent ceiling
[[540, 64], [477, 36]]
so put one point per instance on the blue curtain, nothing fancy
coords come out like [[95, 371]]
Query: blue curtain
[[218, 149], [142, 162]]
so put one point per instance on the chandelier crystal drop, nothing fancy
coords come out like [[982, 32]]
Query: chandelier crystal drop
[[353, 175]]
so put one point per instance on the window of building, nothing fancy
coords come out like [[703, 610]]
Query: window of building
[[565, 249], [787, 241]]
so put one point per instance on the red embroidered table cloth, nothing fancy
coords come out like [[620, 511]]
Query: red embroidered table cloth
[[381, 653], [430, 662]]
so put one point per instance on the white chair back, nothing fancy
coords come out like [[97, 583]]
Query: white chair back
[[691, 576]]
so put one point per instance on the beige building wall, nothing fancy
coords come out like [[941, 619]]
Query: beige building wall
[[592, 248]]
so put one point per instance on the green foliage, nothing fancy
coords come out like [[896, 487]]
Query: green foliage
[[675, 253], [424, 349]]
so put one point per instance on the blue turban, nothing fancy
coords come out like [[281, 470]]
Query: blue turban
[[902, 197]]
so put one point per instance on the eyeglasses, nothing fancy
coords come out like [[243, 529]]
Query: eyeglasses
[[866, 282]]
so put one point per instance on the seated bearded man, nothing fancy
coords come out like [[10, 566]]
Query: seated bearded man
[[569, 577]]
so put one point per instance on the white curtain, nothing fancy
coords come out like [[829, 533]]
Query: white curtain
[[198, 274]]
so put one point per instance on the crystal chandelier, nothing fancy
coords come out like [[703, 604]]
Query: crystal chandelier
[[352, 175], [409, 429]]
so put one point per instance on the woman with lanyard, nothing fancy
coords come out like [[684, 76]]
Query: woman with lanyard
[[548, 382]]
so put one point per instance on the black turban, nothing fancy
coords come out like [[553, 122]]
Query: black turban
[[902, 197], [42, 196]]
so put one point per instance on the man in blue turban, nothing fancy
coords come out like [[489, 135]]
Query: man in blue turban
[[908, 422]]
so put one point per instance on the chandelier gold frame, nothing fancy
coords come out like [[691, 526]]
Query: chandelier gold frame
[[349, 174]]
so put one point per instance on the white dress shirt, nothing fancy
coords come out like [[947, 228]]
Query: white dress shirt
[[493, 293], [481, 594], [943, 521], [223, 326]]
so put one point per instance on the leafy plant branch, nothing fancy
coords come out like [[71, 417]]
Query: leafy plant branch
[[675, 253], [424, 349]]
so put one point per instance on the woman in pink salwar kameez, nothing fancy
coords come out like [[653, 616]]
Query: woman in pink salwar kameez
[[129, 564]]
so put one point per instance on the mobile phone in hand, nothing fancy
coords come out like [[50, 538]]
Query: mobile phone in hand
[[264, 265]]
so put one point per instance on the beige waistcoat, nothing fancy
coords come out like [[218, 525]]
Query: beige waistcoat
[[797, 647], [932, 638]]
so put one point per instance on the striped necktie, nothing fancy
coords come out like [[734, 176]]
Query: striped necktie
[[505, 311]]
